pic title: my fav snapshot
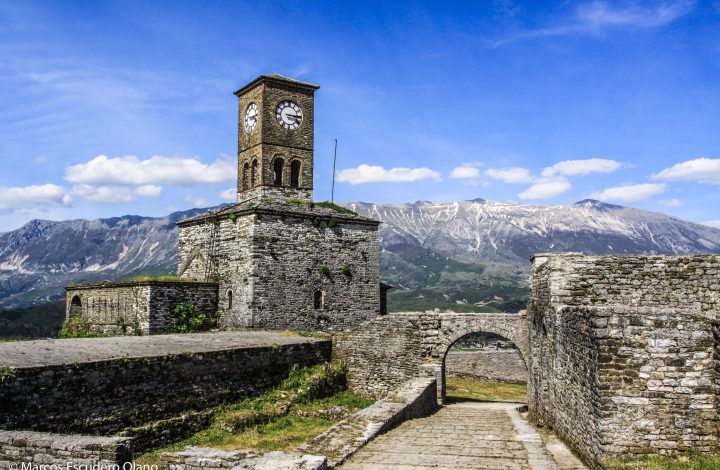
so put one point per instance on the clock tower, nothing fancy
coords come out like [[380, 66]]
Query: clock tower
[[275, 139]]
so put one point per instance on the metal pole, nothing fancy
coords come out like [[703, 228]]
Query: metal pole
[[332, 192]]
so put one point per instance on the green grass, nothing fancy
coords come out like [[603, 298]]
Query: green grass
[[458, 389], [683, 461], [280, 419], [325, 204]]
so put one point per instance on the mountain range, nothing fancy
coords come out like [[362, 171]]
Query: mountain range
[[464, 255]]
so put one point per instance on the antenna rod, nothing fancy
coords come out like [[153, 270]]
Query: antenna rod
[[332, 192]]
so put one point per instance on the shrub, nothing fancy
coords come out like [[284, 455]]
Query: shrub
[[76, 327], [7, 374], [188, 319], [325, 269], [346, 270], [232, 217]]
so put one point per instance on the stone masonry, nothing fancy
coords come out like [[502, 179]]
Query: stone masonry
[[279, 260], [623, 352], [137, 307], [106, 385], [273, 259], [385, 352]]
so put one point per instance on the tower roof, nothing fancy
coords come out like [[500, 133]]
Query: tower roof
[[275, 78]]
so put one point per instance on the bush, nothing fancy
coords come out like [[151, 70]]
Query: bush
[[187, 319], [325, 269], [76, 327]]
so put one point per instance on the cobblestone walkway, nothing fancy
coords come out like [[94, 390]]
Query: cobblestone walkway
[[469, 435]]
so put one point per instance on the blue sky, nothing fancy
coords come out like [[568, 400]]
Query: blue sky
[[112, 108]]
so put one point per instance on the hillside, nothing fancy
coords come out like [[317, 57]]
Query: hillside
[[465, 255]]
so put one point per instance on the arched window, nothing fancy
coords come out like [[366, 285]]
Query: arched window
[[75, 306], [295, 174], [245, 170], [319, 299], [278, 171], [230, 299], [253, 173]]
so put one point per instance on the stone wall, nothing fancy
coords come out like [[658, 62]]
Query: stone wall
[[391, 349], [273, 258], [107, 396], [501, 365], [622, 352], [295, 256], [18, 447], [137, 307]]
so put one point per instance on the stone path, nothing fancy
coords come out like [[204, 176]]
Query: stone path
[[20, 354], [468, 435]]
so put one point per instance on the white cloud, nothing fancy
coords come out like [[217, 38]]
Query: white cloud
[[598, 17], [546, 188], [671, 203], [712, 223], [377, 174], [197, 201], [630, 193], [515, 175], [229, 194], [156, 169], [465, 172], [33, 197], [582, 167], [703, 170], [114, 194]]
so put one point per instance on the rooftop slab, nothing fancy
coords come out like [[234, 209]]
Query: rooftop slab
[[54, 352]]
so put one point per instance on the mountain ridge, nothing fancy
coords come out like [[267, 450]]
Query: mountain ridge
[[461, 254]]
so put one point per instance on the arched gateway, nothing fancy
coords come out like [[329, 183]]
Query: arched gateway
[[389, 350]]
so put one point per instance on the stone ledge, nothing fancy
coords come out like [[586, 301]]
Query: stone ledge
[[62, 449], [202, 458], [414, 399]]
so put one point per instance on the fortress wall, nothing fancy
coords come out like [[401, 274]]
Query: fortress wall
[[622, 352], [230, 265], [59, 451], [502, 365], [389, 350], [640, 281], [147, 306], [108, 396], [289, 252]]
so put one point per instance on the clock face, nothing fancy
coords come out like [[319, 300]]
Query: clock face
[[251, 117], [289, 115]]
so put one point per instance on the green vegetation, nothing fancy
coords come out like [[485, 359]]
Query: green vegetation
[[300, 408], [232, 217], [76, 327], [325, 204], [188, 319], [346, 270], [682, 461], [41, 321], [7, 374], [458, 389], [325, 269]]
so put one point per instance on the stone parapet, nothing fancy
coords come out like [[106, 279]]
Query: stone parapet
[[65, 451]]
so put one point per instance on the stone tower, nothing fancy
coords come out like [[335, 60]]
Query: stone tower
[[280, 260], [275, 139]]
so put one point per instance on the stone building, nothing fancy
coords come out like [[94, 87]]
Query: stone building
[[623, 352], [277, 259]]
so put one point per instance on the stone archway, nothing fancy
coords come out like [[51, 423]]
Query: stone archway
[[75, 307], [489, 361], [389, 350]]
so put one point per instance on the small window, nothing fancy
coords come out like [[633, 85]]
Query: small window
[[278, 171], [246, 169], [295, 174], [253, 173], [230, 299], [319, 299]]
